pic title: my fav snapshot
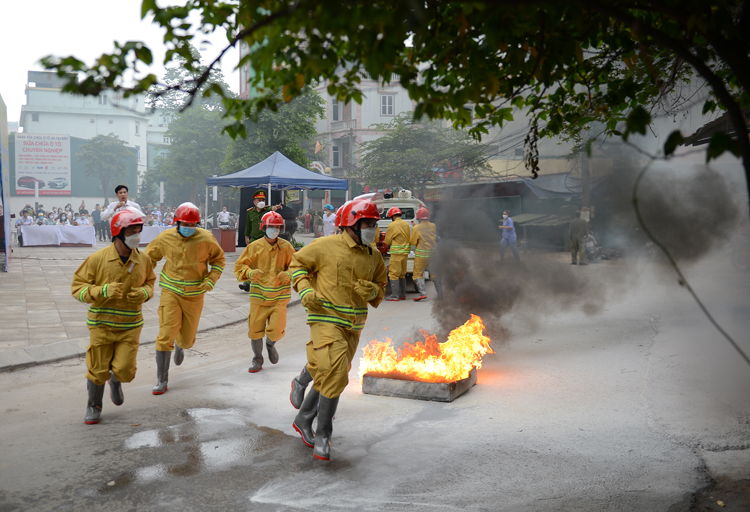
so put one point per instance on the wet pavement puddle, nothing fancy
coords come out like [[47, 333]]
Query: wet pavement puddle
[[209, 440]]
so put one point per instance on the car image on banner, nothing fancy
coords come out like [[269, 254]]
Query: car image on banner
[[43, 159]]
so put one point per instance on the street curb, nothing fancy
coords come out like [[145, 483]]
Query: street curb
[[17, 359]]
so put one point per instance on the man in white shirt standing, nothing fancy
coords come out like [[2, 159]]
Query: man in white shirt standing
[[224, 218], [122, 201], [329, 220]]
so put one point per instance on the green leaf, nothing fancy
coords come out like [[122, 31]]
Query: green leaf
[[721, 142], [709, 106], [637, 122]]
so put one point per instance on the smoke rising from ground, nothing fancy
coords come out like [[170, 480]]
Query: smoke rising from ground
[[692, 210]]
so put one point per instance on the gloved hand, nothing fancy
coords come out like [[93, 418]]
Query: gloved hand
[[365, 289], [137, 296], [110, 291], [283, 278], [255, 275], [206, 285], [311, 301]]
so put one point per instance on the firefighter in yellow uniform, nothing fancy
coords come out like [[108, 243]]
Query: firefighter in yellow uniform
[[336, 277], [423, 238], [115, 280], [397, 236], [265, 265], [189, 252]]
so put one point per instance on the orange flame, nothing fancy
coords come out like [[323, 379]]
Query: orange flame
[[428, 360]]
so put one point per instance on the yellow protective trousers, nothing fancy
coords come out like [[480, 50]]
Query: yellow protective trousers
[[420, 265], [178, 320], [397, 266], [111, 349], [329, 357], [267, 320]]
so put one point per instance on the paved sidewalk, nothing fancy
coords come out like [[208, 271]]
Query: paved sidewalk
[[41, 322]]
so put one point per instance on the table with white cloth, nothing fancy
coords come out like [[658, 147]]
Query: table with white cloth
[[58, 235], [151, 232]]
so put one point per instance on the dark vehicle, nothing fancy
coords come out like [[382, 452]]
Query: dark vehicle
[[57, 183], [28, 182]]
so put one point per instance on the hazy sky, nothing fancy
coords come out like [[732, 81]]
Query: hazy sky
[[31, 29]]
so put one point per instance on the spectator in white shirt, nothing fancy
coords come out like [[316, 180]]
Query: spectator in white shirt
[[122, 201], [329, 220], [224, 218]]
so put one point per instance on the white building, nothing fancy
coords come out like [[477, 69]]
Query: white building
[[346, 126]]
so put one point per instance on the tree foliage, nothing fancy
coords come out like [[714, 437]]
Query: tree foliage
[[289, 130], [196, 152], [105, 158], [565, 63], [412, 154]]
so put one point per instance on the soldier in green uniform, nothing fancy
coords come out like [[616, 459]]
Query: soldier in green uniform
[[252, 225], [577, 232]]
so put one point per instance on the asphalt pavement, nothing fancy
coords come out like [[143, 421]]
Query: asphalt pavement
[[640, 406]]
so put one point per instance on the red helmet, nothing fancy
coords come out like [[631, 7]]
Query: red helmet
[[393, 211], [423, 214], [357, 209], [128, 216], [187, 212], [337, 222], [271, 219]]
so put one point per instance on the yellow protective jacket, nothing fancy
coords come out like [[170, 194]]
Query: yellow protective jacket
[[331, 266], [269, 260], [397, 236], [187, 260], [104, 267], [423, 237]]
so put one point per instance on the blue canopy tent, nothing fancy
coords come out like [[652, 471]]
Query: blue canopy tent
[[276, 172]]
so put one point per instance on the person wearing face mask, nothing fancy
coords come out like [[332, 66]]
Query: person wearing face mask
[[397, 236], [423, 238], [49, 220], [337, 277], [116, 281], [254, 216], [264, 265], [185, 278], [509, 237]]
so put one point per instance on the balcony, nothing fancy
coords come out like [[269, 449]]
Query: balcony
[[343, 126]]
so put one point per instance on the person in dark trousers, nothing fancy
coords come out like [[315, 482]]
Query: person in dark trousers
[[253, 221], [577, 232], [96, 216]]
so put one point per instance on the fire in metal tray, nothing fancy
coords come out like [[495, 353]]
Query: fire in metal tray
[[429, 360]]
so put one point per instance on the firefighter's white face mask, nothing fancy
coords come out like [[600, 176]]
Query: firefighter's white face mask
[[368, 235], [272, 233], [133, 240]]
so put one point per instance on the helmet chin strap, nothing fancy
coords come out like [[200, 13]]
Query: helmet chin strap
[[358, 231]]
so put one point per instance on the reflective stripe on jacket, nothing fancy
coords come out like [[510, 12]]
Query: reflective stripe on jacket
[[188, 260], [260, 256], [331, 266], [105, 267], [397, 236], [423, 237]]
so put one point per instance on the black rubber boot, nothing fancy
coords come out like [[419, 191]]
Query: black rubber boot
[[244, 286], [257, 346], [438, 288], [326, 410], [299, 385], [394, 291], [304, 419], [179, 354], [162, 372], [115, 390], [273, 354], [94, 405], [402, 288]]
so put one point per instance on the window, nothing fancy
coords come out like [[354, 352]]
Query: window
[[102, 100], [518, 153], [166, 140], [138, 151], [335, 156], [335, 106], [386, 104], [137, 127], [35, 117]]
